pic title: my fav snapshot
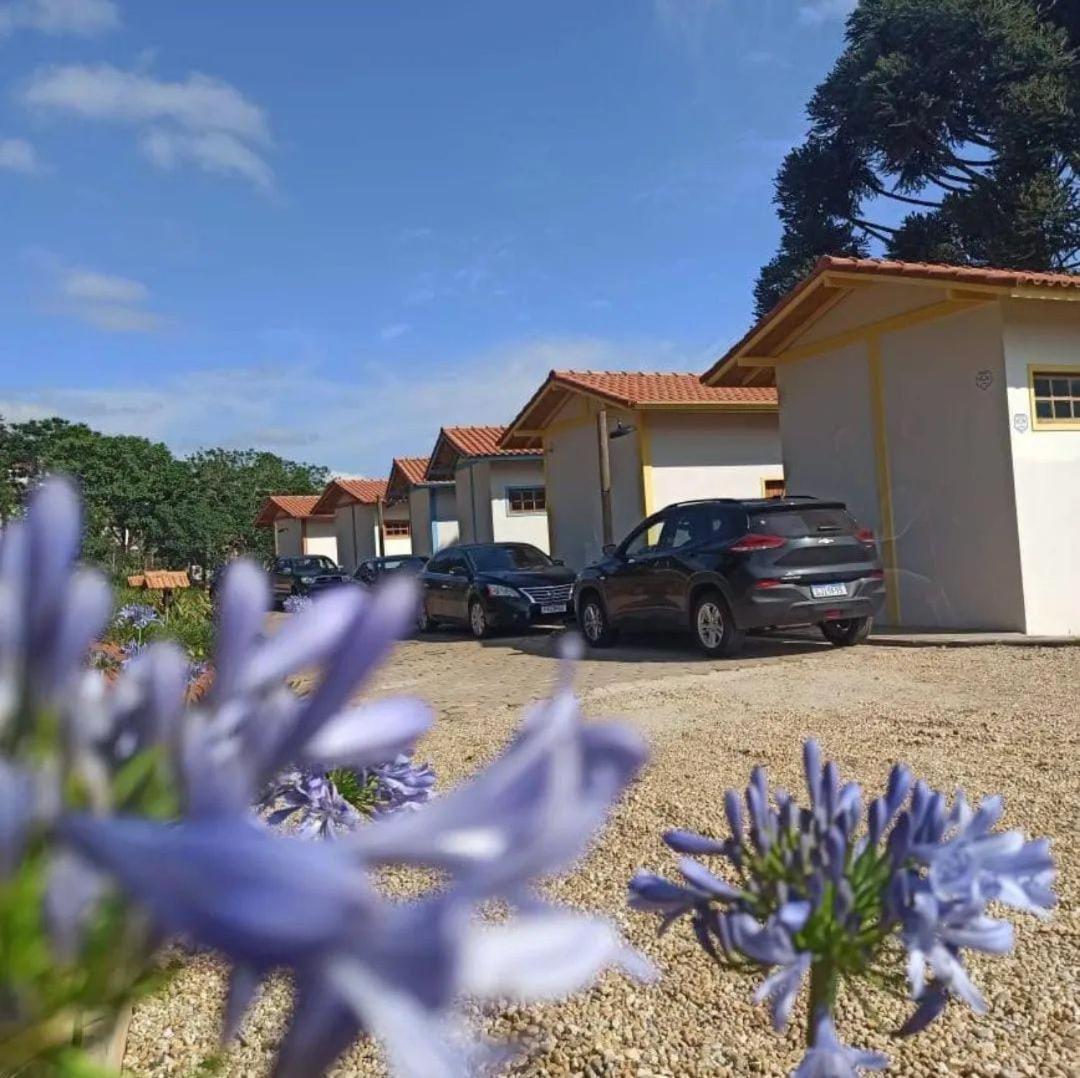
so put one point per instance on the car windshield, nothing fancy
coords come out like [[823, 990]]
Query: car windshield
[[317, 564], [797, 522], [494, 558]]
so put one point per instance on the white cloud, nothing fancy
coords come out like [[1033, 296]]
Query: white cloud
[[18, 155], [111, 304], [686, 17], [202, 121], [816, 12], [354, 421], [85, 18], [392, 332]]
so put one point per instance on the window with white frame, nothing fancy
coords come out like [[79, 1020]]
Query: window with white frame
[[1055, 397], [526, 499]]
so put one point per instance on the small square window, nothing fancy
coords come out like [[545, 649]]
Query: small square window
[[527, 499], [1056, 398]]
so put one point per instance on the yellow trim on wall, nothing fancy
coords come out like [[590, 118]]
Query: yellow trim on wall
[[884, 478], [548, 499], [1071, 371], [648, 495], [862, 334]]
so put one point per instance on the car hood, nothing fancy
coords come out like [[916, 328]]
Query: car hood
[[529, 578]]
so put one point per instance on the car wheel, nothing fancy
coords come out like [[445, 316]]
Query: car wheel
[[595, 626], [713, 626], [847, 632], [424, 623], [478, 621]]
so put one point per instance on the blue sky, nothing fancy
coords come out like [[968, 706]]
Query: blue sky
[[326, 229]]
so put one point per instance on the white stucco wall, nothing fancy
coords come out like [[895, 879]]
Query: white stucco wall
[[1046, 467], [952, 493], [321, 538], [827, 440], [471, 499], [573, 482], [444, 521], [287, 538], [356, 528], [397, 544], [719, 455], [507, 527], [420, 520]]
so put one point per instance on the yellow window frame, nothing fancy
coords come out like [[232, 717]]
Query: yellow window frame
[[1052, 370]]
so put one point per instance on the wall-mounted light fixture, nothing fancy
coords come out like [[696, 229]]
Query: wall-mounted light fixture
[[622, 430]]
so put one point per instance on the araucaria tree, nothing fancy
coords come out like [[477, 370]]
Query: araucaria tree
[[948, 131]]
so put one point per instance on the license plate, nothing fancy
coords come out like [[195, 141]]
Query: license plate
[[553, 608], [828, 591]]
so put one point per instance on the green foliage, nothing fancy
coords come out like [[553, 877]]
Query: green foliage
[[144, 507], [360, 793], [965, 114]]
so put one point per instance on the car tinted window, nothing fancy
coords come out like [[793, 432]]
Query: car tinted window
[[645, 538], [495, 558], [317, 564], [695, 525], [795, 522]]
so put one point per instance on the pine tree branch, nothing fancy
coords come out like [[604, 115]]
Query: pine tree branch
[[909, 199]]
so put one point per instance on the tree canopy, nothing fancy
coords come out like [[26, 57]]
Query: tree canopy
[[947, 131], [145, 506]]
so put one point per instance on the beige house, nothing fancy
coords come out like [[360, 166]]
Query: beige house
[[618, 446], [364, 526], [298, 529], [943, 405], [499, 492], [431, 503]]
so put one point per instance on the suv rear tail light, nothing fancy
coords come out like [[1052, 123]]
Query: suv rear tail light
[[866, 535], [769, 584], [754, 541]]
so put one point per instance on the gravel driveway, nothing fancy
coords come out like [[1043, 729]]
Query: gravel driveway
[[990, 719]]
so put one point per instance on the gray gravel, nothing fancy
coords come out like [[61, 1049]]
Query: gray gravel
[[991, 720]]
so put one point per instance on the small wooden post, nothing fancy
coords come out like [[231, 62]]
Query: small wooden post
[[604, 448]]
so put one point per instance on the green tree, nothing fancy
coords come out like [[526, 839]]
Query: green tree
[[948, 131], [145, 507], [230, 486]]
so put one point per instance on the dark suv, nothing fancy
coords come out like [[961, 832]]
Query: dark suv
[[721, 567], [490, 586], [306, 574]]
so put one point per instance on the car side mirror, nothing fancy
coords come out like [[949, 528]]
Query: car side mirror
[[557, 561], [458, 570], [610, 550]]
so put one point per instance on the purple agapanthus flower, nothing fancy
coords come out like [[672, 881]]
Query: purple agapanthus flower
[[828, 1058], [204, 870], [812, 893], [399, 784], [311, 802], [295, 603], [138, 616]]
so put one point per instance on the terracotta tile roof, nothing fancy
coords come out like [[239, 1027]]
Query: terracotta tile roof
[[457, 443], [631, 389], [343, 491], [413, 468], [636, 389], [296, 506], [785, 315], [478, 441]]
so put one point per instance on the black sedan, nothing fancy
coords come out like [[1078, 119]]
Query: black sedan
[[305, 575], [491, 586], [372, 570]]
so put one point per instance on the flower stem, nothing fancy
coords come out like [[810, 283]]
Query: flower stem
[[823, 985]]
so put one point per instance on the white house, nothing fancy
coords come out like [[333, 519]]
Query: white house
[[661, 437], [943, 405], [432, 506], [364, 525], [499, 492], [297, 528]]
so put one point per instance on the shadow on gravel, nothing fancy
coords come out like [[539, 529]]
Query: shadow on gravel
[[639, 647]]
